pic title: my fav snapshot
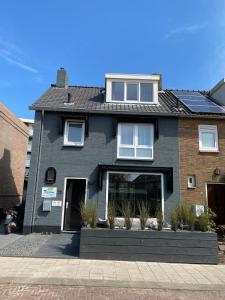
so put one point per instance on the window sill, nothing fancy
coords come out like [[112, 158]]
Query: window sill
[[208, 151], [191, 187], [133, 102], [71, 145], [135, 158]]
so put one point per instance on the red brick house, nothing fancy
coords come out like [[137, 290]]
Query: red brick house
[[13, 150]]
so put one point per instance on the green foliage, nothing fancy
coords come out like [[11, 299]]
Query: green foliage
[[111, 215], [191, 219], [93, 215], [173, 220], [212, 216], [85, 214], [144, 215], [183, 214], [159, 217], [204, 222], [183, 211], [89, 214], [221, 230], [127, 213]]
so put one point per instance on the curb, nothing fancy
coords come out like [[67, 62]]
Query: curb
[[111, 283]]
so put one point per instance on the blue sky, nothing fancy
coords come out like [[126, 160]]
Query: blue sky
[[184, 40]]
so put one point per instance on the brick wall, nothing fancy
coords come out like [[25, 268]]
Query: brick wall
[[13, 149], [202, 165]]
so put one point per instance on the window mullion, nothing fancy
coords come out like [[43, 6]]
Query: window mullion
[[135, 140]]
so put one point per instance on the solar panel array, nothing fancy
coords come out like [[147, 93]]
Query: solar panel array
[[197, 102]]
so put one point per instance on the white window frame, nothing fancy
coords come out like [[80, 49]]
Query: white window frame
[[135, 141], [193, 184], [66, 130], [138, 82], [211, 129], [126, 172]]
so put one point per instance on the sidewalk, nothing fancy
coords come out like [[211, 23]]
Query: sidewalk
[[77, 272]]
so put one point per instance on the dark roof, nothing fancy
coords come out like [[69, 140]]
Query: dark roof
[[92, 100]]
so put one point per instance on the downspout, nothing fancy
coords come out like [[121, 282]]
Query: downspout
[[37, 170]]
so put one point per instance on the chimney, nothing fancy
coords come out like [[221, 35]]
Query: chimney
[[62, 79]]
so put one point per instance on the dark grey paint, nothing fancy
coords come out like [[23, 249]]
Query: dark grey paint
[[180, 247], [99, 147]]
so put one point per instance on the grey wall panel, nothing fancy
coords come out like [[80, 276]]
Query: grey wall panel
[[99, 147]]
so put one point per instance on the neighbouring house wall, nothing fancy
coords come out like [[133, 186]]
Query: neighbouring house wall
[[13, 149], [200, 164], [99, 148]]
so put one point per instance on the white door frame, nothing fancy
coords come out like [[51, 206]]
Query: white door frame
[[127, 172], [64, 197]]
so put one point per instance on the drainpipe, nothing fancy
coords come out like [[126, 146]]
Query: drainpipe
[[37, 170]]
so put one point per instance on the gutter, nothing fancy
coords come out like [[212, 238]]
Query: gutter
[[37, 170], [150, 114]]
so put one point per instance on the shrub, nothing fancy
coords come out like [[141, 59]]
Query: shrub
[[127, 213], [183, 211], [111, 215], [143, 210], [204, 222], [173, 220], [191, 219], [89, 214], [221, 230], [211, 216], [85, 214], [159, 217], [93, 215]]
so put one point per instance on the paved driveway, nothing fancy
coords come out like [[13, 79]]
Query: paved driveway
[[64, 245]]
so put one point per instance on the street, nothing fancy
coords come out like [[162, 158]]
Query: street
[[30, 292]]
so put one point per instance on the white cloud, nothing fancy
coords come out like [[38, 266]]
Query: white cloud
[[189, 29], [14, 55]]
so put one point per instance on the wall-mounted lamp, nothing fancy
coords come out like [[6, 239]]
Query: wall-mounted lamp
[[216, 172]]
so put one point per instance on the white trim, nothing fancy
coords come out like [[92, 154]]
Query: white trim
[[64, 197], [132, 76], [191, 185], [135, 81], [211, 129], [66, 129], [127, 172], [135, 145]]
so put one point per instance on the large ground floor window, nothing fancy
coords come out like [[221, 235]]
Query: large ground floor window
[[137, 189]]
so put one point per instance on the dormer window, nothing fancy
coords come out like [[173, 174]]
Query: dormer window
[[132, 88]]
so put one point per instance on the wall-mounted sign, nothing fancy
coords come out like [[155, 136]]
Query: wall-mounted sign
[[49, 192], [199, 209], [56, 203]]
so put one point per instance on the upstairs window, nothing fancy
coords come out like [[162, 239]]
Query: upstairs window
[[74, 133], [129, 91], [117, 91], [135, 141], [208, 138]]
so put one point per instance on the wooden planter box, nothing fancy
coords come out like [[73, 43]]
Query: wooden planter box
[[157, 246]]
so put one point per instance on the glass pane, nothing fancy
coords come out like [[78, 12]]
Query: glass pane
[[127, 134], [132, 91], [136, 189], [126, 152], [208, 140], [118, 91], [147, 153], [144, 135], [75, 133], [146, 92]]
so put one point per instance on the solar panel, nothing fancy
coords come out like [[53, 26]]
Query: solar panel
[[197, 102]]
